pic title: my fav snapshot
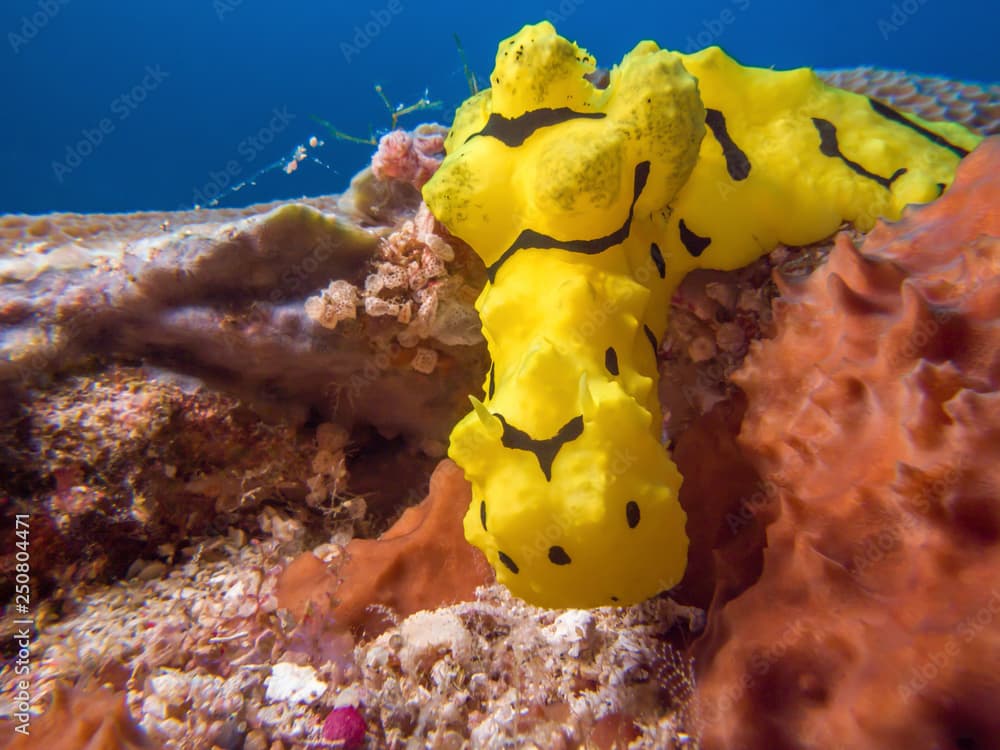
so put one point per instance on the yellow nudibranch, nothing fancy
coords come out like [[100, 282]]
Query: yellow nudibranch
[[588, 205]]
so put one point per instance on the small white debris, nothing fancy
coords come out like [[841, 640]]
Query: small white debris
[[429, 635], [349, 696], [572, 633], [170, 686], [147, 570], [378, 655], [290, 683]]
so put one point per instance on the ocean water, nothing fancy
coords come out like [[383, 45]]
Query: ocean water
[[116, 106]]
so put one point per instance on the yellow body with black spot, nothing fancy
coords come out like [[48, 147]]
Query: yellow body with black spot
[[588, 206]]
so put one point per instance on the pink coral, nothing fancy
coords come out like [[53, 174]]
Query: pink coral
[[408, 157]]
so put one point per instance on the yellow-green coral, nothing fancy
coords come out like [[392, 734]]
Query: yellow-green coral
[[588, 205]]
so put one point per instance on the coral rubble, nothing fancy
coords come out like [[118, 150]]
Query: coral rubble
[[497, 673], [119, 468], [208, 658]]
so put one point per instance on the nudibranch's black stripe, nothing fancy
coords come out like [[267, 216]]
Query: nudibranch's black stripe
[[544, 450], [559, 556], [890, 114], [511, 565], [632, 514], [652, 341], [492, 385], [828, 146], [515, 131], [693, 243], [611, 360], [737, 163], [529, 238], [482, 514], [657, 256]]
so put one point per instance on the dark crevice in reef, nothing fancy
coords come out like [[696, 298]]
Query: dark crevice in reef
[[390, 476]]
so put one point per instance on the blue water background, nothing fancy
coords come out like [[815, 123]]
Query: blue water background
[[180, 99]]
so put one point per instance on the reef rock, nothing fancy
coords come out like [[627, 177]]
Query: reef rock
[[222, 295], [163, 373], [875, 414], [114, 465]]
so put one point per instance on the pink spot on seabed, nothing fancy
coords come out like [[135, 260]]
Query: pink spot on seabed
[[345, 728]]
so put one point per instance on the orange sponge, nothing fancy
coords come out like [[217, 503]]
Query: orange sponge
[[422, 562]]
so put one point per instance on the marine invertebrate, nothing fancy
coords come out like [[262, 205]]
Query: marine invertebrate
[[423, 279], [411, 158], [78, 717], [419, 563], [874, 414], [574, 512], [588, 205]]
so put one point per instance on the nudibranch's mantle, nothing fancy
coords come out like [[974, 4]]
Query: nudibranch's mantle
[[589, 205], [529, 238]]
